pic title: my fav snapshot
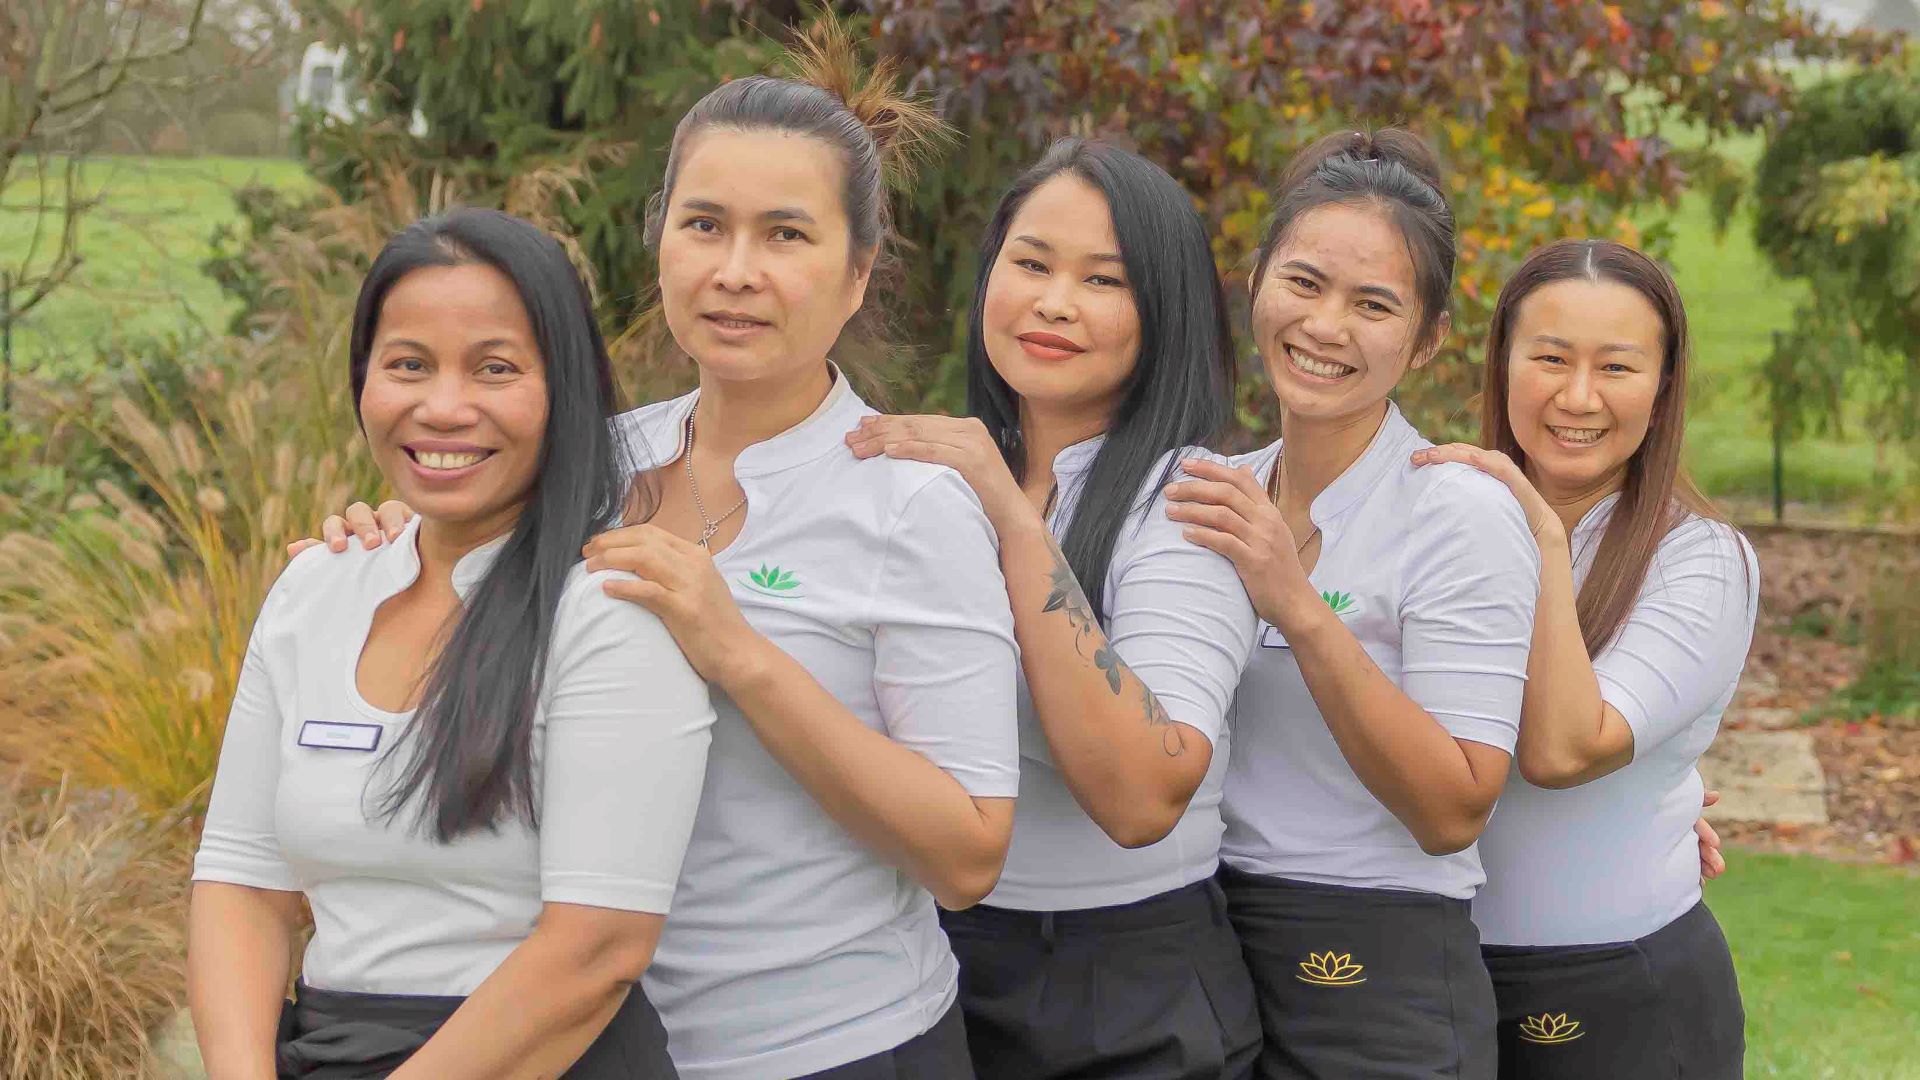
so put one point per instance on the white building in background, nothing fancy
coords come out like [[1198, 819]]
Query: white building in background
[[318, 85]]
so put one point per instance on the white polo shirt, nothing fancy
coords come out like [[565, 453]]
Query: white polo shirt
[[1434, 571], [1178, 615], [620, 746], [792, 947], [1616, 859]]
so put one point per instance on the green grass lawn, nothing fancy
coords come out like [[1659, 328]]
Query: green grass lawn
[[142, 249], [1829, 961], [1734, 304]]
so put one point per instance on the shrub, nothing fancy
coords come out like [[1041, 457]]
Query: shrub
[[92, 943]]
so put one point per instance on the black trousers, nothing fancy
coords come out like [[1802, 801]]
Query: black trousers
[[1664, 1006], [332, 1035], [1363, 984], [1152, 990], [938, 1053]]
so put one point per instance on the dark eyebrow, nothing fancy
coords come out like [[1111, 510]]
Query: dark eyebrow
[[404, 343], [1098, 256], [1611, 347], [491, 343], [1381, 291], [784, 213]]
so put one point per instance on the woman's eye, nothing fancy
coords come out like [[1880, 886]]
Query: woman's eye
[[1034, 265], [1618, 369], [788, 233], [408, 364], [497, 367], [1104, 281], [705, 225], [1550, 359], [1306, 284], [1374, 305]]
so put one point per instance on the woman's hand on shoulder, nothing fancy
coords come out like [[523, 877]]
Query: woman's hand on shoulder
[[1226, 510], [372, 527], [680, 584], [961, 443], [1542, 522]]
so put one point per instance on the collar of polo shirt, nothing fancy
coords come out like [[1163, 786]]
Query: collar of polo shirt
[[824, 430], [405, 560], [1385, 452]]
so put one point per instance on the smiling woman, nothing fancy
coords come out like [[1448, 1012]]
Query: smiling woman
[[432, 741]]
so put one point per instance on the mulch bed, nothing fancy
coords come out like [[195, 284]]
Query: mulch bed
[[1815, 583]]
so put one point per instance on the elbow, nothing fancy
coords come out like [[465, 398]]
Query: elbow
[[1455, 833], [1554, 771], [964, 887], [625, 958], [1139, 825]]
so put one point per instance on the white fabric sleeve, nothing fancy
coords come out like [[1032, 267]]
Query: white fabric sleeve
[[1470, 580], [1180, 618], [1686, 639], [240, 844], [627, 726], [944, 655]]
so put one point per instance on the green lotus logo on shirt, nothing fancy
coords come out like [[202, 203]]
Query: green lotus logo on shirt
[[1340, 602], [773, 581]]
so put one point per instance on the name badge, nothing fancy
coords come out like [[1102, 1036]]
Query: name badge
[[325, 735], [1270, 637]]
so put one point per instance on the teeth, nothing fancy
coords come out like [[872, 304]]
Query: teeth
[[737, 324], [448, 461], [1577, 435], [1324, 368]]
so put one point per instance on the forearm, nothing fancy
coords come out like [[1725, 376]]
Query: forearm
[[1567, 734], [239, 957], [1403, 756], [1129, 765], [533, 1017], [900, 805]]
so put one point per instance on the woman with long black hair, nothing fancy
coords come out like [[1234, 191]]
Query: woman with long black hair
[[1098, 358], [1605, 959], [477, 769], [1374, 727]]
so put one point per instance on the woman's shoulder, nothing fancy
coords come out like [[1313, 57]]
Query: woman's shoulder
[[318, 579], [1699, 542]]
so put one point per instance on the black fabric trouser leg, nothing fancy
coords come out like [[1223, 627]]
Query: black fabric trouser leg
[[1363, 984], [938, 1053], [1664, 1006], [1153, 990], [334, 1035]]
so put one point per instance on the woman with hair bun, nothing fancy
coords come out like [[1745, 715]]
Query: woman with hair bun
[[850, 614], [1373, 729], [1605, 960]]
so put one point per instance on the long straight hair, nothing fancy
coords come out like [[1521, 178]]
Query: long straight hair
[[469, 751], [1656, 495], [1181, 388]]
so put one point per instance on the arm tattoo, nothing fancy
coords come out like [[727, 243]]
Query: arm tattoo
[[1065, 595]]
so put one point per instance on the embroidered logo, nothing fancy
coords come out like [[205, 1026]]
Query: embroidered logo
[[1548, 1028], [773, 581], [1326, 969], [1340, 602]]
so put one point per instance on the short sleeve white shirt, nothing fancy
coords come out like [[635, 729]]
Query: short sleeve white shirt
[[1178, 615], [1435, 573], [793, 948], [1616, 859], [620, 743]]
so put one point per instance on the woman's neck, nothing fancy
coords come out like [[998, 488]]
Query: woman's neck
[[1316, 450], [442, 544], [1571, 502], [732, 415], [1044, 433]]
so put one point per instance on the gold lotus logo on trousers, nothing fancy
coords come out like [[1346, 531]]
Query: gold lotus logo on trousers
[[1548, 1028], [1326, 969]]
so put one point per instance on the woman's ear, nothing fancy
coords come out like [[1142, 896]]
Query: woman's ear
[[1442, 327], [862, 277]]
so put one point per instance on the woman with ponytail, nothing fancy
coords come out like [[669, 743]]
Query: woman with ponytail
[[1373, 729], [1099, 357], [1605, 960], [850, 614]]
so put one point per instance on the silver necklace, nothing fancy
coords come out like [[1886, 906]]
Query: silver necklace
[[1273, 496], [708, 526]]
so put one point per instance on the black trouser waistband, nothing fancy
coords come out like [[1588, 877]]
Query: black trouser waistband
[[1199, 902]]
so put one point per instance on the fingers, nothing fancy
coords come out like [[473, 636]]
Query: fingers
[[299, 546], [392, 518], [875, 433], [1235, 549], [931, 452], [333, 533], [1712, 863], [1214, 493], [647, 594], [1214, 517], [1241, 479], [646, 550], [361, 522], [1709, 799]]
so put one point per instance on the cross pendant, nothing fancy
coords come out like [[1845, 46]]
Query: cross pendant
[[706, 533]]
